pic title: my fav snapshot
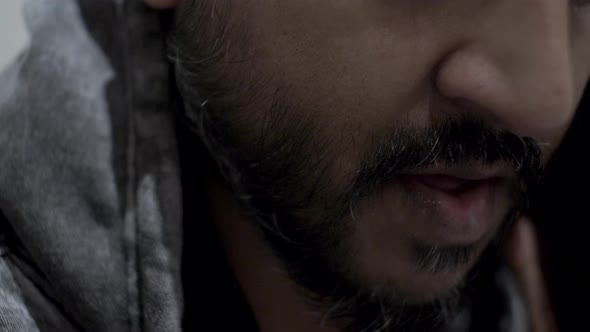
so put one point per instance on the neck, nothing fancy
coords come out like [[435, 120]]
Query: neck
[[272, 296]]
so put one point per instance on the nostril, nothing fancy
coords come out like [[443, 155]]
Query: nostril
[[468, 106]]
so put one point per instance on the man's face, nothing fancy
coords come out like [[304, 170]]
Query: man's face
[[382, 145]]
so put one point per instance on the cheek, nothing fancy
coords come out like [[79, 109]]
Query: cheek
[[347, 62]]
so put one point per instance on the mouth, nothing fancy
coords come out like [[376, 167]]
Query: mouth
[[460, 205]]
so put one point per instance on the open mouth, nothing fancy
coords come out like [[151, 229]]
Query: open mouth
[[461, 204], [452, 185]]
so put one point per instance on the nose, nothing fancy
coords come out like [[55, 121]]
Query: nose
[[516, 67]]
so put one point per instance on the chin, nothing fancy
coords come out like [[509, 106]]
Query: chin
[[393, 232], [427, 288], [398, 272]]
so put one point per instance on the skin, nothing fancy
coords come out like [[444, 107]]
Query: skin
[[526, 77]]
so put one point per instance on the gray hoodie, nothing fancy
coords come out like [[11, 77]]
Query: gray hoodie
[[90, 210]]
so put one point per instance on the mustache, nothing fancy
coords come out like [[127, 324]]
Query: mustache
[[458, 141]]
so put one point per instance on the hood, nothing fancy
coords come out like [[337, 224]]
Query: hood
[[90, 201]]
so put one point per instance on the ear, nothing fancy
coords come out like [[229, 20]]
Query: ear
[[162, 4]]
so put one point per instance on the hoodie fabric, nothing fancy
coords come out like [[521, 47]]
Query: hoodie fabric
[[90, 194], [89, 180]]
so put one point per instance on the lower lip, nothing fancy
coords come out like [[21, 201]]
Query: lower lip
[[461, 211]]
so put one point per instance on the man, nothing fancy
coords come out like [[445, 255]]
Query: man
[[365, 163], [370, 152]]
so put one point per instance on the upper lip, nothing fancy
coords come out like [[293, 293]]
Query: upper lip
[[468, 172]]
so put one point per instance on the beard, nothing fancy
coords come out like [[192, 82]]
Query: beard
[[281, 181], [280, 165]]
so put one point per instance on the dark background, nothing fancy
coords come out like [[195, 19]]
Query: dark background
[[560, 210]]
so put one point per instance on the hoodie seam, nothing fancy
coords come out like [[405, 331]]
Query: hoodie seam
[[130, 217]]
